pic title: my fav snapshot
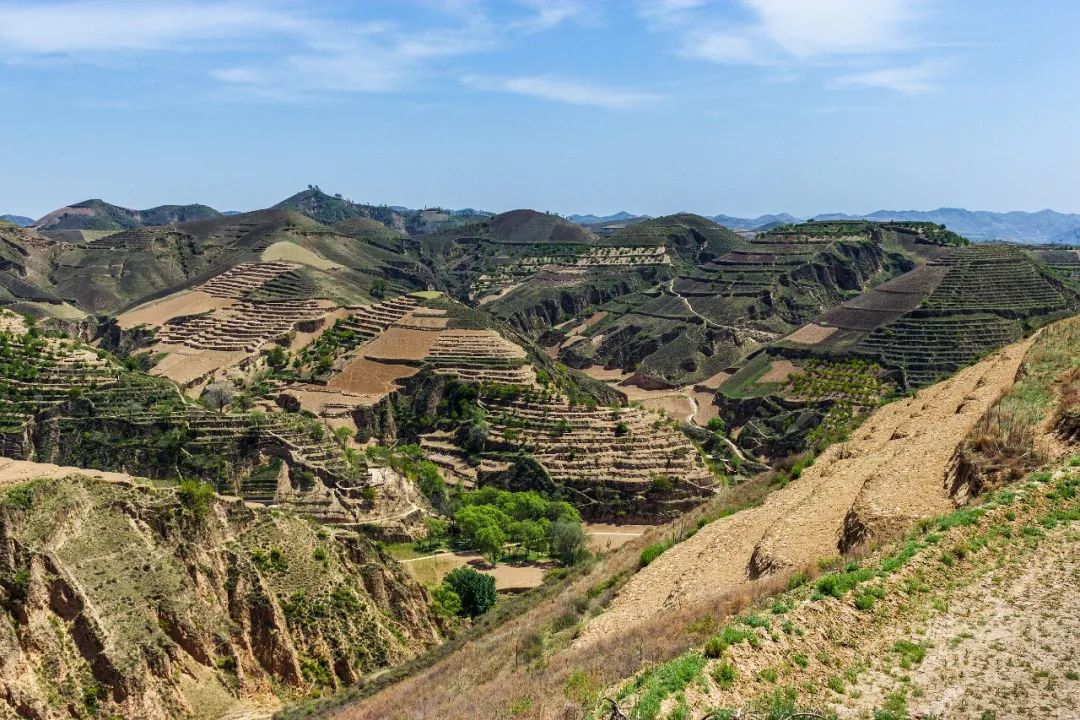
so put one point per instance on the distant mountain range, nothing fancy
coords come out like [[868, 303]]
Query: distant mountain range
[[1045, 226], [597, 219]]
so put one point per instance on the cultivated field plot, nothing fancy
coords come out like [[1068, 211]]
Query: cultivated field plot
[[932, 321]]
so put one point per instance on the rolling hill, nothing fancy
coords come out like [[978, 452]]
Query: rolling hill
[[333, 209], [100, 215]]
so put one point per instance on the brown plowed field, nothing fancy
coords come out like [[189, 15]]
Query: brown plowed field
[[892, 471], [368, 377], [187, 302], [401, 344]]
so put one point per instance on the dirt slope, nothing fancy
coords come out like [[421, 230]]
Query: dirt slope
[[121, 600], [892, 470]]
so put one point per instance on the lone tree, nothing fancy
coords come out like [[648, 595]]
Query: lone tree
[[476, 590]]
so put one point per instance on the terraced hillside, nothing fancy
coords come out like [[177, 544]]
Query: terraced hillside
[[118, 270], [65, 403], [697, 615], [122, 599], [933, 321], [623, 463], [728, 297]]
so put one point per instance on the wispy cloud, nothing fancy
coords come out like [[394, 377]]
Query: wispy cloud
[[566, 91], [548, 14], [914, 80], [854, 38], [272, 48]]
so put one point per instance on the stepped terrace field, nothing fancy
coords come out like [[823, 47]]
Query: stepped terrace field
[[625, 462], [936, 319], [63, 403]]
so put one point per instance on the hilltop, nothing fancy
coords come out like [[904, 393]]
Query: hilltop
[[704, 411], [333, 209], [100, 215], [20, 220]]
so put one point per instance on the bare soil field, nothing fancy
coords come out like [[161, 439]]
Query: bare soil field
[[604, 537], [509, 577], [13, 471], [367, 377], [184, 365], [778, 372], [809, 334], [715, 381], [889, 474], [398, 343], [318, 399], [291, 252], [185, 302]]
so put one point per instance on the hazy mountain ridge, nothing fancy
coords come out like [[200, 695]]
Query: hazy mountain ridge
[[20, 220], [590, 219], [1043, 226]]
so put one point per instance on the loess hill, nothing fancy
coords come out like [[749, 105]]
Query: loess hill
[[339, 373]]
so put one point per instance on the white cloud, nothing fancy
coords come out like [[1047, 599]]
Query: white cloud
[[915, 80], [809, 28], [850, 37], [548, 14], [73, 28], [270, 48], [566, 91]]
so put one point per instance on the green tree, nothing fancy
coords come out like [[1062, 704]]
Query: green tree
[[378, 288], [476, 590], [471, 519], [566, 541], [529, 535], [445, 601], [490, 540], [277, 357]]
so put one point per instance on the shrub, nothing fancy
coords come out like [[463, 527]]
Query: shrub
[[566, 540], [195, 496], [445, 601], [651, 553], [476, 590], [724, 674]]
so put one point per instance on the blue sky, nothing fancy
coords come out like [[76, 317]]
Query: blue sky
[[653, 106]]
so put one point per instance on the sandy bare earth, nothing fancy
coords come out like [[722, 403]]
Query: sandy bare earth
[[889, 474], [185, 302], [367, 377], [401, 344], [603, 537], [810, 334], [715, 381], [13, 471], [319, 400], [779, 371], [1005, 648], [508, 577], [286, 251], [184, 365]]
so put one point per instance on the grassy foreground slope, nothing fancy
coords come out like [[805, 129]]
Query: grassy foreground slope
[[655, 624], [122, 600]]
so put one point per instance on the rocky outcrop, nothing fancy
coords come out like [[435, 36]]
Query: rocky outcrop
[[120, 599]]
